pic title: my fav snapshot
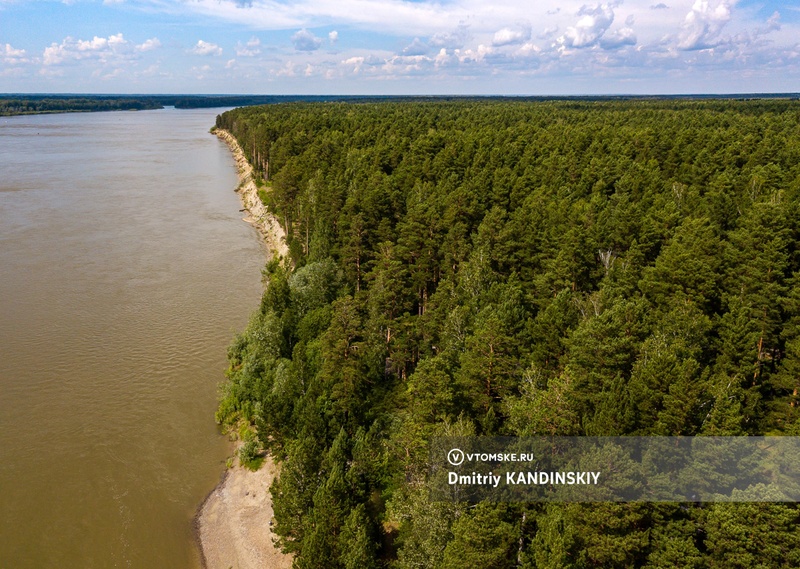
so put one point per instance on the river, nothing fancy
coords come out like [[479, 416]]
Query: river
[[125, 270]]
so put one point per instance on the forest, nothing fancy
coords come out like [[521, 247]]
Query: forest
[[29, 104], [518, 268]]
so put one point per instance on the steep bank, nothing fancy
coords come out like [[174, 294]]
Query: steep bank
[[233, 523], [259, 215]]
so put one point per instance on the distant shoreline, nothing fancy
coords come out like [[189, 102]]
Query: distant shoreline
[[15, 104]]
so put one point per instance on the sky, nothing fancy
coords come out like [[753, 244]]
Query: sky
[[508, 47]]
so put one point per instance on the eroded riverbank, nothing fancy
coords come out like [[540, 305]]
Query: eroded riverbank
[[258, 214], [233, 523]]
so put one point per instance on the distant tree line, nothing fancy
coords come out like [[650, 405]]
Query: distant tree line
[[37, 104], [22, 104], [29, 106], [519, 268]]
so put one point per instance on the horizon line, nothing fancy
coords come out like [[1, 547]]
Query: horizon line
[[418, 95]]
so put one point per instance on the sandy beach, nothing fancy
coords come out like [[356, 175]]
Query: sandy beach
[[233, 523]]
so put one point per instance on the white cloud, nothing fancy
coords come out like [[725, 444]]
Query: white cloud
[[288, 70], [511, 36], [620, 38], [416, 47], [390, 16], [474, 55], [548, 33], [442, 58], [355, 62], [569, 42], [149, 45], [70, 49], [528, 49], [590, 27], [774, 22], [703, 24], [107, 75], [12, 56], [206, 48], [455, 39], [304, 40], [465, 24], [250, 49], [364, 64], [400, 65]]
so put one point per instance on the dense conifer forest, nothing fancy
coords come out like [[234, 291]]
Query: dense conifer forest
[[519, 268]]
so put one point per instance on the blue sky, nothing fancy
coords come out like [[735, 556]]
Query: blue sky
[[400, 46]]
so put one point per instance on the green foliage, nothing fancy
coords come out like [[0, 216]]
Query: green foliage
[[753, 535], [482, 538], [543, 407], [250, 455], [518, 268], [357, 543], [425, 527]]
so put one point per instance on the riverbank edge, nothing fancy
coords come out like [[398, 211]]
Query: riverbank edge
[[235, 476], [233, 525], [258, 214], [198, 522]]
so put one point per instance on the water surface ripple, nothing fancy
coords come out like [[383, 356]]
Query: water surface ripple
[[125, 269]]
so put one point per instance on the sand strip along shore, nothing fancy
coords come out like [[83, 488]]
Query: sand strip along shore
[[233, 523], [258, 214]]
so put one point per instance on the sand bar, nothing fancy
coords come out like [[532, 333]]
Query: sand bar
[[233, 524]]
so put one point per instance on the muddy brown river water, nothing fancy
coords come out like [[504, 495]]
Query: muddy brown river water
[[125, 270]]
